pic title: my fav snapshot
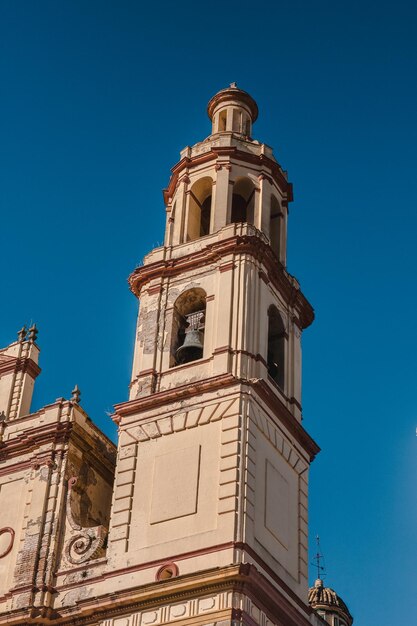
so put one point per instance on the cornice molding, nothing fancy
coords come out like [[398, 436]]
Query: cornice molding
[[191, 390], [251, 245], [139, 405], [270, 398], [231, 151], [183, 419], [18, 364], [28, 441], [242, 579]]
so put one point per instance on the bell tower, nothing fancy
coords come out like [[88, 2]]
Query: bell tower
[[211, 486]]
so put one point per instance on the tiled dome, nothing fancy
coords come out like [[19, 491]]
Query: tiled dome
[[321, 597]]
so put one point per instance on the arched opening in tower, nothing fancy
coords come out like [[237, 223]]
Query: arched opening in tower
[[276, 347], [187, 335], [243, 201], [275, 226], [222, 121], [199, 211]]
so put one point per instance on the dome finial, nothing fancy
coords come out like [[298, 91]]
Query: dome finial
[[233, 85], [324, 599]]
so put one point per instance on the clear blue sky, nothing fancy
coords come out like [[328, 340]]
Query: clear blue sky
[[98, 97]]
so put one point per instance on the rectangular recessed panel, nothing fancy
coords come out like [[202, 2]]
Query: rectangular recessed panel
[[175, 484], [276, 504]]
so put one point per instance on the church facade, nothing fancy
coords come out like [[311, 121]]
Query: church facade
[[199, 515]]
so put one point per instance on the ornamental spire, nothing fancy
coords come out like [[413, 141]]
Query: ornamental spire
[[319, 562]]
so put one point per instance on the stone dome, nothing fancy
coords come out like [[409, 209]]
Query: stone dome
[[233, 94], [322, 598]]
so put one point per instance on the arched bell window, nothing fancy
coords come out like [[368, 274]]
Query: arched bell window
[[243, 201], [237, 121], [222, 121], [199, 211], [276, 347], [275, 226], [187, 342], [246, 125]]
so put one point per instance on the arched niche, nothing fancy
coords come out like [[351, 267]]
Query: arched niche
[[221, 121], [276, 347], [188, 326], [275, 226], [199, 210], [243, 201]]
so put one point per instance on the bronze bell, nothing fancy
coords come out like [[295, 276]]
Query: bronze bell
[[192, 348]]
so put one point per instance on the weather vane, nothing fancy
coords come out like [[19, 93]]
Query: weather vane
[[319, 560]]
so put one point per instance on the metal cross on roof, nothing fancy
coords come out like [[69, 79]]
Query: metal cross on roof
[[319, 560]]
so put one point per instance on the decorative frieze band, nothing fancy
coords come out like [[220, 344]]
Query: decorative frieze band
[[182, 420], [170, 613], [219, 608], [276, 438]]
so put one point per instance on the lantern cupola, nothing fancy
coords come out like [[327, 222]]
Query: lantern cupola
[[228, 178], [232, 110]]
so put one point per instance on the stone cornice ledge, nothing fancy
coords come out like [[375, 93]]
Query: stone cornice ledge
[[259, 160], [213, 252], [244, 578], [20, 364], [171, 395], [215, 383]]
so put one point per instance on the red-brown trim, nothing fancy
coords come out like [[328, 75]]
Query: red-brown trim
[[228, 349], [252, 245], [8, 366], [263, 389], [273, 603], [28, 440], [16, 467], [233, 94], [156, 289], [18, 364], [171, 567], [7, 529], [270, 398], [236, 545], [244, 578], [218, 151], [226, 266], [178, 393], [155, 563]]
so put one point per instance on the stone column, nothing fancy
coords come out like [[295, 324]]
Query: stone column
[[221, 199], [263, 221]]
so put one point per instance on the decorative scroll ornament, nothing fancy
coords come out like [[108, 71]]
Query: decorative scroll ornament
[[85, 544]]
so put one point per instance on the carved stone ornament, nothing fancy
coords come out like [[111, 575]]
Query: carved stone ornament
[[85, 543], [9, 546]]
